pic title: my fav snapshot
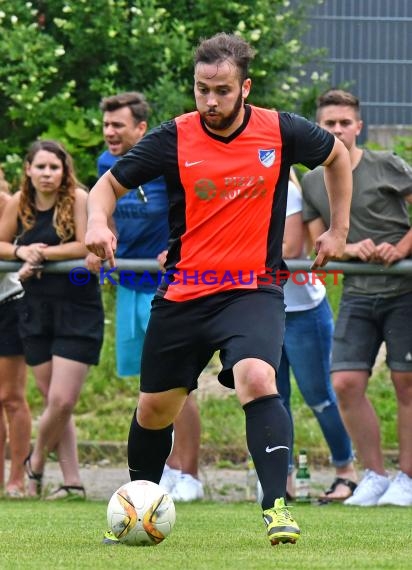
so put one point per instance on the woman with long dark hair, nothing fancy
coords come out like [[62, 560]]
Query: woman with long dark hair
[[61, 323]]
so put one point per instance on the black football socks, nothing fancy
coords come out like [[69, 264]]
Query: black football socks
[[269, 438], [147, 451]]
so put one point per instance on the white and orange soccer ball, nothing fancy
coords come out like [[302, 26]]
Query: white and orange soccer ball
[[141, 513]]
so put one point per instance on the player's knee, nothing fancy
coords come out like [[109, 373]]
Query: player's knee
[[256, 379], [155, 412]]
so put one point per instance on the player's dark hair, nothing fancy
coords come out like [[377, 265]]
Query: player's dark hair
[[337, 97], [222, 47], [136, 102]]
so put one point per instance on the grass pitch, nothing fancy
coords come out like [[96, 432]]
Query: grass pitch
[[207, 536]]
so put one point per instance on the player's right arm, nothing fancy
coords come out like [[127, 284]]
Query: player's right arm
[[101, 203], [315, 227], [338, 183]]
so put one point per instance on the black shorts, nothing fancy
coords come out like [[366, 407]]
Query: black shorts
[[364, 322], [182, 337], [52, 326], [10, 344]]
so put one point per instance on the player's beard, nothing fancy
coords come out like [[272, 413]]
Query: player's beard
[[224, 123]]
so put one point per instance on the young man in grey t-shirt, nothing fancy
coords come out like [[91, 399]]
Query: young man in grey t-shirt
[[374, 308]]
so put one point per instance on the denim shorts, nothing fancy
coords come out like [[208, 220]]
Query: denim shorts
[[364, 323]]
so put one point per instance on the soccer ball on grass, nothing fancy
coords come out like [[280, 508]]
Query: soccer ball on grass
[[141, 513]]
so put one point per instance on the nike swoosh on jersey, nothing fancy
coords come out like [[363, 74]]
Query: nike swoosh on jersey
[[270, 449], [188, 163]]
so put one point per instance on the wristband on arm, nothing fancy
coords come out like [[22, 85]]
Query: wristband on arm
[[16, 254]]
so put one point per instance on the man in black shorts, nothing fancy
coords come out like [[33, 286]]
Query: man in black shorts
[[226, 167]]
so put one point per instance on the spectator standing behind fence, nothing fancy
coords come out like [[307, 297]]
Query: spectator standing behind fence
[[374, 308], [307, 350], [142, 227], [15, 417], [227, 166], [61, 324]]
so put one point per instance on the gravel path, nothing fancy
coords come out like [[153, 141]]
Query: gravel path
[[224, 485], [102, 478]]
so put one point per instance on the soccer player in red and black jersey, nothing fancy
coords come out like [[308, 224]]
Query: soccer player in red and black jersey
[[226, 167]]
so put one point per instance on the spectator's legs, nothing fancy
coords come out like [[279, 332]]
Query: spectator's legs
[[402, 382], [308, 342], [60, 382], [3, 436], [182, 479], [16, 411], [359, 417], [186, 445], [67, 453]]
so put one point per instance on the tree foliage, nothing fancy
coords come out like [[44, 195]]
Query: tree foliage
[[60, 58]]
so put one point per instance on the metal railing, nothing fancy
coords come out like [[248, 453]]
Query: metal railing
[[403, 267]]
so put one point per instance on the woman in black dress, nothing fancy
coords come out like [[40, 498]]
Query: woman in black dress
[[60, 321]]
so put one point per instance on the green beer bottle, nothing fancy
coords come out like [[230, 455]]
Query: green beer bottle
[[303, 478]]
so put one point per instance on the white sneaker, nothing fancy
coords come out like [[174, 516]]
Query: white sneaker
[[169, 478], [369, 490], [187, 488], [399, 492]]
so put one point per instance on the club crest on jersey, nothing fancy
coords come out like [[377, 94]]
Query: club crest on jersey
[[267, 157]]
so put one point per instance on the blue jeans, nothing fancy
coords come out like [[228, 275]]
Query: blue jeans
[[307, 351]]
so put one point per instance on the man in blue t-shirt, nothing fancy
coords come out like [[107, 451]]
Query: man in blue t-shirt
[[142, 227], [141, 222]]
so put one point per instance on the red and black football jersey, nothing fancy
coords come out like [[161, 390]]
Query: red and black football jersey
[[227, 196]]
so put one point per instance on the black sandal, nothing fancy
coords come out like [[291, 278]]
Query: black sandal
[[32, 475], [351, 485], [68, 493]]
